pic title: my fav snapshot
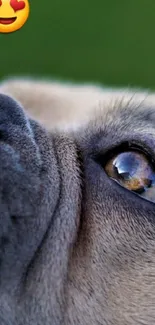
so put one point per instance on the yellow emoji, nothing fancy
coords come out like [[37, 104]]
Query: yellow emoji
[[13, 15]]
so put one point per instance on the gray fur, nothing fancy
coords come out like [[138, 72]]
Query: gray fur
[[76, 248]]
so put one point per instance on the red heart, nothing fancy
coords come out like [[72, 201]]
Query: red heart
[[17, 5], [0, 2]]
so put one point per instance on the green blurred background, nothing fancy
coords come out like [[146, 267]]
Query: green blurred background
[[110, 42]]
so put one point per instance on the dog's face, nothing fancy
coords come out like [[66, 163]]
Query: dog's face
[[77, 218]]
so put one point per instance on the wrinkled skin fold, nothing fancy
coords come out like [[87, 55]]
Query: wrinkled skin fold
[[75, 247]]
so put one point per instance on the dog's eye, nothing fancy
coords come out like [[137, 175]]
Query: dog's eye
[[133, 170]]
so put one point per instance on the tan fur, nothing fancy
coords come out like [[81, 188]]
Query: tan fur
[[68, 106]]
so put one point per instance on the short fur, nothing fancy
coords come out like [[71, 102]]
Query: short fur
[[75, 247]]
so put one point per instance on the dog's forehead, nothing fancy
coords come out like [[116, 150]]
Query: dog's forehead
[[121, 116]]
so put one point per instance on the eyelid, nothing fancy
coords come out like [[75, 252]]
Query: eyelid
[[132, 145]]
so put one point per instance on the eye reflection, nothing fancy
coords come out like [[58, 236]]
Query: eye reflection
[[132, 170]]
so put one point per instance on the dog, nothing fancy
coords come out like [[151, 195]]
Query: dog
[[77, 195]]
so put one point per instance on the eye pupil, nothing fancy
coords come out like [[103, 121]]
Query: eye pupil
[[126, 165]]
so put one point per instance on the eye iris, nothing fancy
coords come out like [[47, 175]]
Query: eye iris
[[133, 171]]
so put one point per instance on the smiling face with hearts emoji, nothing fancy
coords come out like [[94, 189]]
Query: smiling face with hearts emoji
[[13, 15]]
